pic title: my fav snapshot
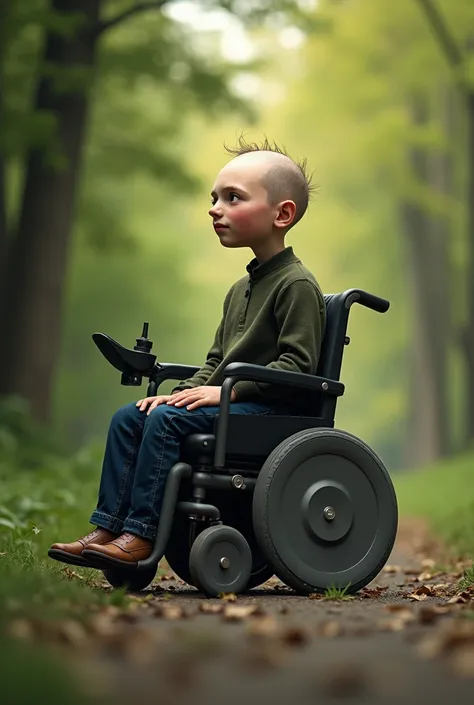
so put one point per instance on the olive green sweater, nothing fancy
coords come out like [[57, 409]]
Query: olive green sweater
[[275, 317]]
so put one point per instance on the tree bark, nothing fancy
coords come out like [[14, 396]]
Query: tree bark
[[38, 263], [457, 61], [5, 8], [469, 332], [426, 245]]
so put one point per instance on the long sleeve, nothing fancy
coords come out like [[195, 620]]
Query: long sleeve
[[213, 359], [300, 316]]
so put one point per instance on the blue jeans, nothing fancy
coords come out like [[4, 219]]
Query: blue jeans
[[139, 454]]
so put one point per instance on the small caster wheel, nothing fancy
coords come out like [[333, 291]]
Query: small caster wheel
[[133, 580], [220, 561]]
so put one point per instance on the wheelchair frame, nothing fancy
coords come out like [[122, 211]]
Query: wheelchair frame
[[139, 362]]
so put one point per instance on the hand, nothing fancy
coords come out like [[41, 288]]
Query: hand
[[199, 396], [154, 402]]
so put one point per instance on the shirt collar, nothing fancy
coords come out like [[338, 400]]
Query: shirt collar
[[257, 271]]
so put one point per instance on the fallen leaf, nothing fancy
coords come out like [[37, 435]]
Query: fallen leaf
[[419, 598], [424, 590], [169, 611], [391, 569], [461, 598], [462, 662], [427, 563], [227, 596], [372, 592], [262, 626], [21, 629], [329, 628], [426, 576], [392, 625], [295, 636], [72, 574], [211, 607], [429, 614], [234, 613], [72, 632], [402, 609]]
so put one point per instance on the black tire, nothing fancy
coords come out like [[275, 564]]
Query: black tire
[[307, 549], [236, 511], [207, 552], [133, 580]]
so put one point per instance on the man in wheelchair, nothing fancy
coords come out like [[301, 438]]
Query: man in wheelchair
[[252, 429]]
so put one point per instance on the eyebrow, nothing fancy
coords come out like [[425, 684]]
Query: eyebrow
[[231, 188]]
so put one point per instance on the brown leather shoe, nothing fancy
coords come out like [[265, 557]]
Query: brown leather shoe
[[126, 550], [72, 552]]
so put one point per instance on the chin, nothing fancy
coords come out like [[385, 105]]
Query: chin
[[231, 243]]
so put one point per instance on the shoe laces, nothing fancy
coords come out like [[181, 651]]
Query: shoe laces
[[92, 535], [124, 539]]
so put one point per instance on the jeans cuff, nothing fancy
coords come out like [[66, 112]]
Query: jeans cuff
[[137, 527], [106, 521]]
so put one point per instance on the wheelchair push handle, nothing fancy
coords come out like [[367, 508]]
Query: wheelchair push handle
[[375, 303]]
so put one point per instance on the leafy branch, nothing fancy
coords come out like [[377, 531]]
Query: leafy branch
[[138, 8]]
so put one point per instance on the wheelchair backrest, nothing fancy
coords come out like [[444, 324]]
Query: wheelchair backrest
[[332, 350]]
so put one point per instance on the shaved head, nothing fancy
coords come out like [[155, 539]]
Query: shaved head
[[282, 178]]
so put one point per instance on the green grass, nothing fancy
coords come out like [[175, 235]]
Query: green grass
[[444, 495], [337, 593]]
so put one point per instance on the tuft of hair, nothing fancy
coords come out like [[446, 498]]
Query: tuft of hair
[[281, 181]]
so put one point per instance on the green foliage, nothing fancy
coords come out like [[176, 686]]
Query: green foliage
[[337, 593], [467, 580], [48, 681], [444, 495], [46, 497]]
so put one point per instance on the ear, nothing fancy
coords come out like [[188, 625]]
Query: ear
[[286, 212]]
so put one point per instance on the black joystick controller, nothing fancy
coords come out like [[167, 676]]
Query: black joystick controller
[[143, 344]]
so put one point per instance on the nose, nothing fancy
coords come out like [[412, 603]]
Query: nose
[[215, 211]]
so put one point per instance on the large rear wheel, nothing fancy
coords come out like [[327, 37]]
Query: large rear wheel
[[325, 511]]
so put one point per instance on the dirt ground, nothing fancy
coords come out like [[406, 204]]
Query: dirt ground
[[406, 638]]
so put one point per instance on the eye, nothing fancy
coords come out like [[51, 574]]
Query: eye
[[213, 201], [233, 195]]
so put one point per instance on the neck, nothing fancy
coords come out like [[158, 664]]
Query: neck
[[268, 250]]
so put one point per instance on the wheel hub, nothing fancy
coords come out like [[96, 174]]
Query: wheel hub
[[327, 511]]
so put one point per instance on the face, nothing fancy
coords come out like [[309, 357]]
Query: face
[[241, 213]]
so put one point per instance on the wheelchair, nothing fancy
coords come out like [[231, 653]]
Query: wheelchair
[[290, 496]]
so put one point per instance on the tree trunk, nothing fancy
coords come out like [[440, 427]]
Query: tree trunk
[[426, 245], [4, 12], [39, 253], [469, 333]]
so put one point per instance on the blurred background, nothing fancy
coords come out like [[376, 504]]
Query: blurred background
[[113, 116]]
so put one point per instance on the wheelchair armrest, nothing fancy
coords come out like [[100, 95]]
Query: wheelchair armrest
[[172, 370], [169, 370], [257, 373], [236, 371]]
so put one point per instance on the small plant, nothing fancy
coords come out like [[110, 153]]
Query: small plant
[[468, 579], [337, 593]]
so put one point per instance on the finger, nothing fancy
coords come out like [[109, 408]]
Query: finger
[[153, 405], [188, 400], [196, 404]]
